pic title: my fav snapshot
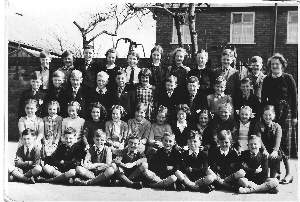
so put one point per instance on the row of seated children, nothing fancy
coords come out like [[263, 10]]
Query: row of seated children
[[171, 168]]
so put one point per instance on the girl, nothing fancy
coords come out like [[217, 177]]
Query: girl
[[132, 71], [244, 128], [157, 69], [116, 129], [157, 131], [182, 127], [178, 69], [214, 100], [146, 93], [31, 121], [52, 124], [270, 134], [279, 89], [74, 121], [111, 68], [205, 130], [98, 113], [140, 126]]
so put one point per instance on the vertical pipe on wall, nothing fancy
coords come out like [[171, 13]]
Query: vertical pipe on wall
[[275, 28]]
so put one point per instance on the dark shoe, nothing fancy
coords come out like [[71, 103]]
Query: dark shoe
[[275, 190], [146, 183], [41, 179], [179, 186], [287, 181], [207, 189], [137, 185]]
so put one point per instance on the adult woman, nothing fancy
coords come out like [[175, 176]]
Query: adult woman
[[279, 89]]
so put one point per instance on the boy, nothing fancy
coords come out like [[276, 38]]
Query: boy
[[58, 93], [169, 95], [230, 74], [44, 71], [97, 166], [123, 95], [224, 162], [33, 93], [245, 97], [76, 92], [255, 164], [68, 67], [164, 165], [65, 159], [131, 163], [89, 68], [256, 76], [132, 71], [194, 171], [193, 98], [99, 94], [27, 159]]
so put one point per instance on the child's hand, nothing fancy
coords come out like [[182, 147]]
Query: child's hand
[[266, 153], [117, 162], [201, 148], [143, 141], [42, 163], [185, 148], [274, 155], [169, 167], [190, 169], [178, 148], [62, 162], [258, 170], [159, 144], [30, 163], [129, 165], [87, 147], [245, 165]]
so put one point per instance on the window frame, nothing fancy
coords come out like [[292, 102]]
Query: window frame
[[288, 41], [174, 33], [231, 27]]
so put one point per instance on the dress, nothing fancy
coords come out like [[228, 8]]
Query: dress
[[282, 93], [116, 131], [158, 74], [148, 95]]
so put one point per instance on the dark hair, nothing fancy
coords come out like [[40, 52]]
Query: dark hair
[[157, 48], [171, 79], [88, 47], [192, 79], [111, 50], [193, 134], [32, 101], [54, 102], [35, 76], [256, 59], [281, 59], [103, 111], [141, 106], [228, 52], [269, 107], [133, 136], [202, 51], [246, 80], [69, 130], [99, 133], [219, 80], [135, 54], [120, 72], [207, 112], [67, 53], [44, 54], [183, 107], [29, 131], [144, 72]]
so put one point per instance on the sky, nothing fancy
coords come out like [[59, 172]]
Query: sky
[[58, 16]]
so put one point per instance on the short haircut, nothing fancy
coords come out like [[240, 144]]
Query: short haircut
[[183, 107], [157, 48], [88, 47], [54, 102], [120, 72], [206, 112], [178, 50], [29, 131], [58, 73], [135, 54], [162, 109], [44, 54], [111, 50], [281, 59], [228, 52], [100, 133], [256, 59], [225, 105], [141, 107], [74, 104], [192, 79], [35, 76], [171, 79], [133, 136], [70, 130], [246, 108], [168, 134], [102, 109], [203, 52], [246, 81], [31, 101], [144, 72], [120, 108], [254, 137], [103, 75], [193, 134], [269, 107], [76, 73], [219, 80], [67, 53], [223, 134]]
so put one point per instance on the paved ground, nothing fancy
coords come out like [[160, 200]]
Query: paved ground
[[17, 191]]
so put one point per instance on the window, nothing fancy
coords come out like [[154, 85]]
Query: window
[[185, 31], [292, 27], [242, 28]]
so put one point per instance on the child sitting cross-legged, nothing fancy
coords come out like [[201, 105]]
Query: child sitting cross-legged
[[194, 172], [97, 166], [255, 164]]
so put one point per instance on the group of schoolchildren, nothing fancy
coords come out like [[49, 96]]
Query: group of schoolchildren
[[160, 127]]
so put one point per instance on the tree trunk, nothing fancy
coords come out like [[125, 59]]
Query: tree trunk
[[177, 25], [192, 27]]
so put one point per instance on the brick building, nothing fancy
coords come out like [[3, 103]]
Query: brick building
[[249, 28]]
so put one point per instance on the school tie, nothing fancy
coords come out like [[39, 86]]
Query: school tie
[[27, 153], [131, 154], [120, 90], [245, 99], [169, 93], [131, 75], [67, 149], [74, 93], [194, 155], [100, 92], [191, 99], [252, 155]]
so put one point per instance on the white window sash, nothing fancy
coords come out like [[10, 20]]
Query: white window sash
[[243, 32], [185, 34], [292, 29]]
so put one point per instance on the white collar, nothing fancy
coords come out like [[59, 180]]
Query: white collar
[[191, 152], [67, 68], [103, 90], [45, 68], [277, 75], [32, 118], [200, 68], [100, 148], [111, 66], [139, 122], [53, 117], [184, 124], [222, 95], [224, 152], [134, 67], [30, 148], [247, 125], [75, 89]]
